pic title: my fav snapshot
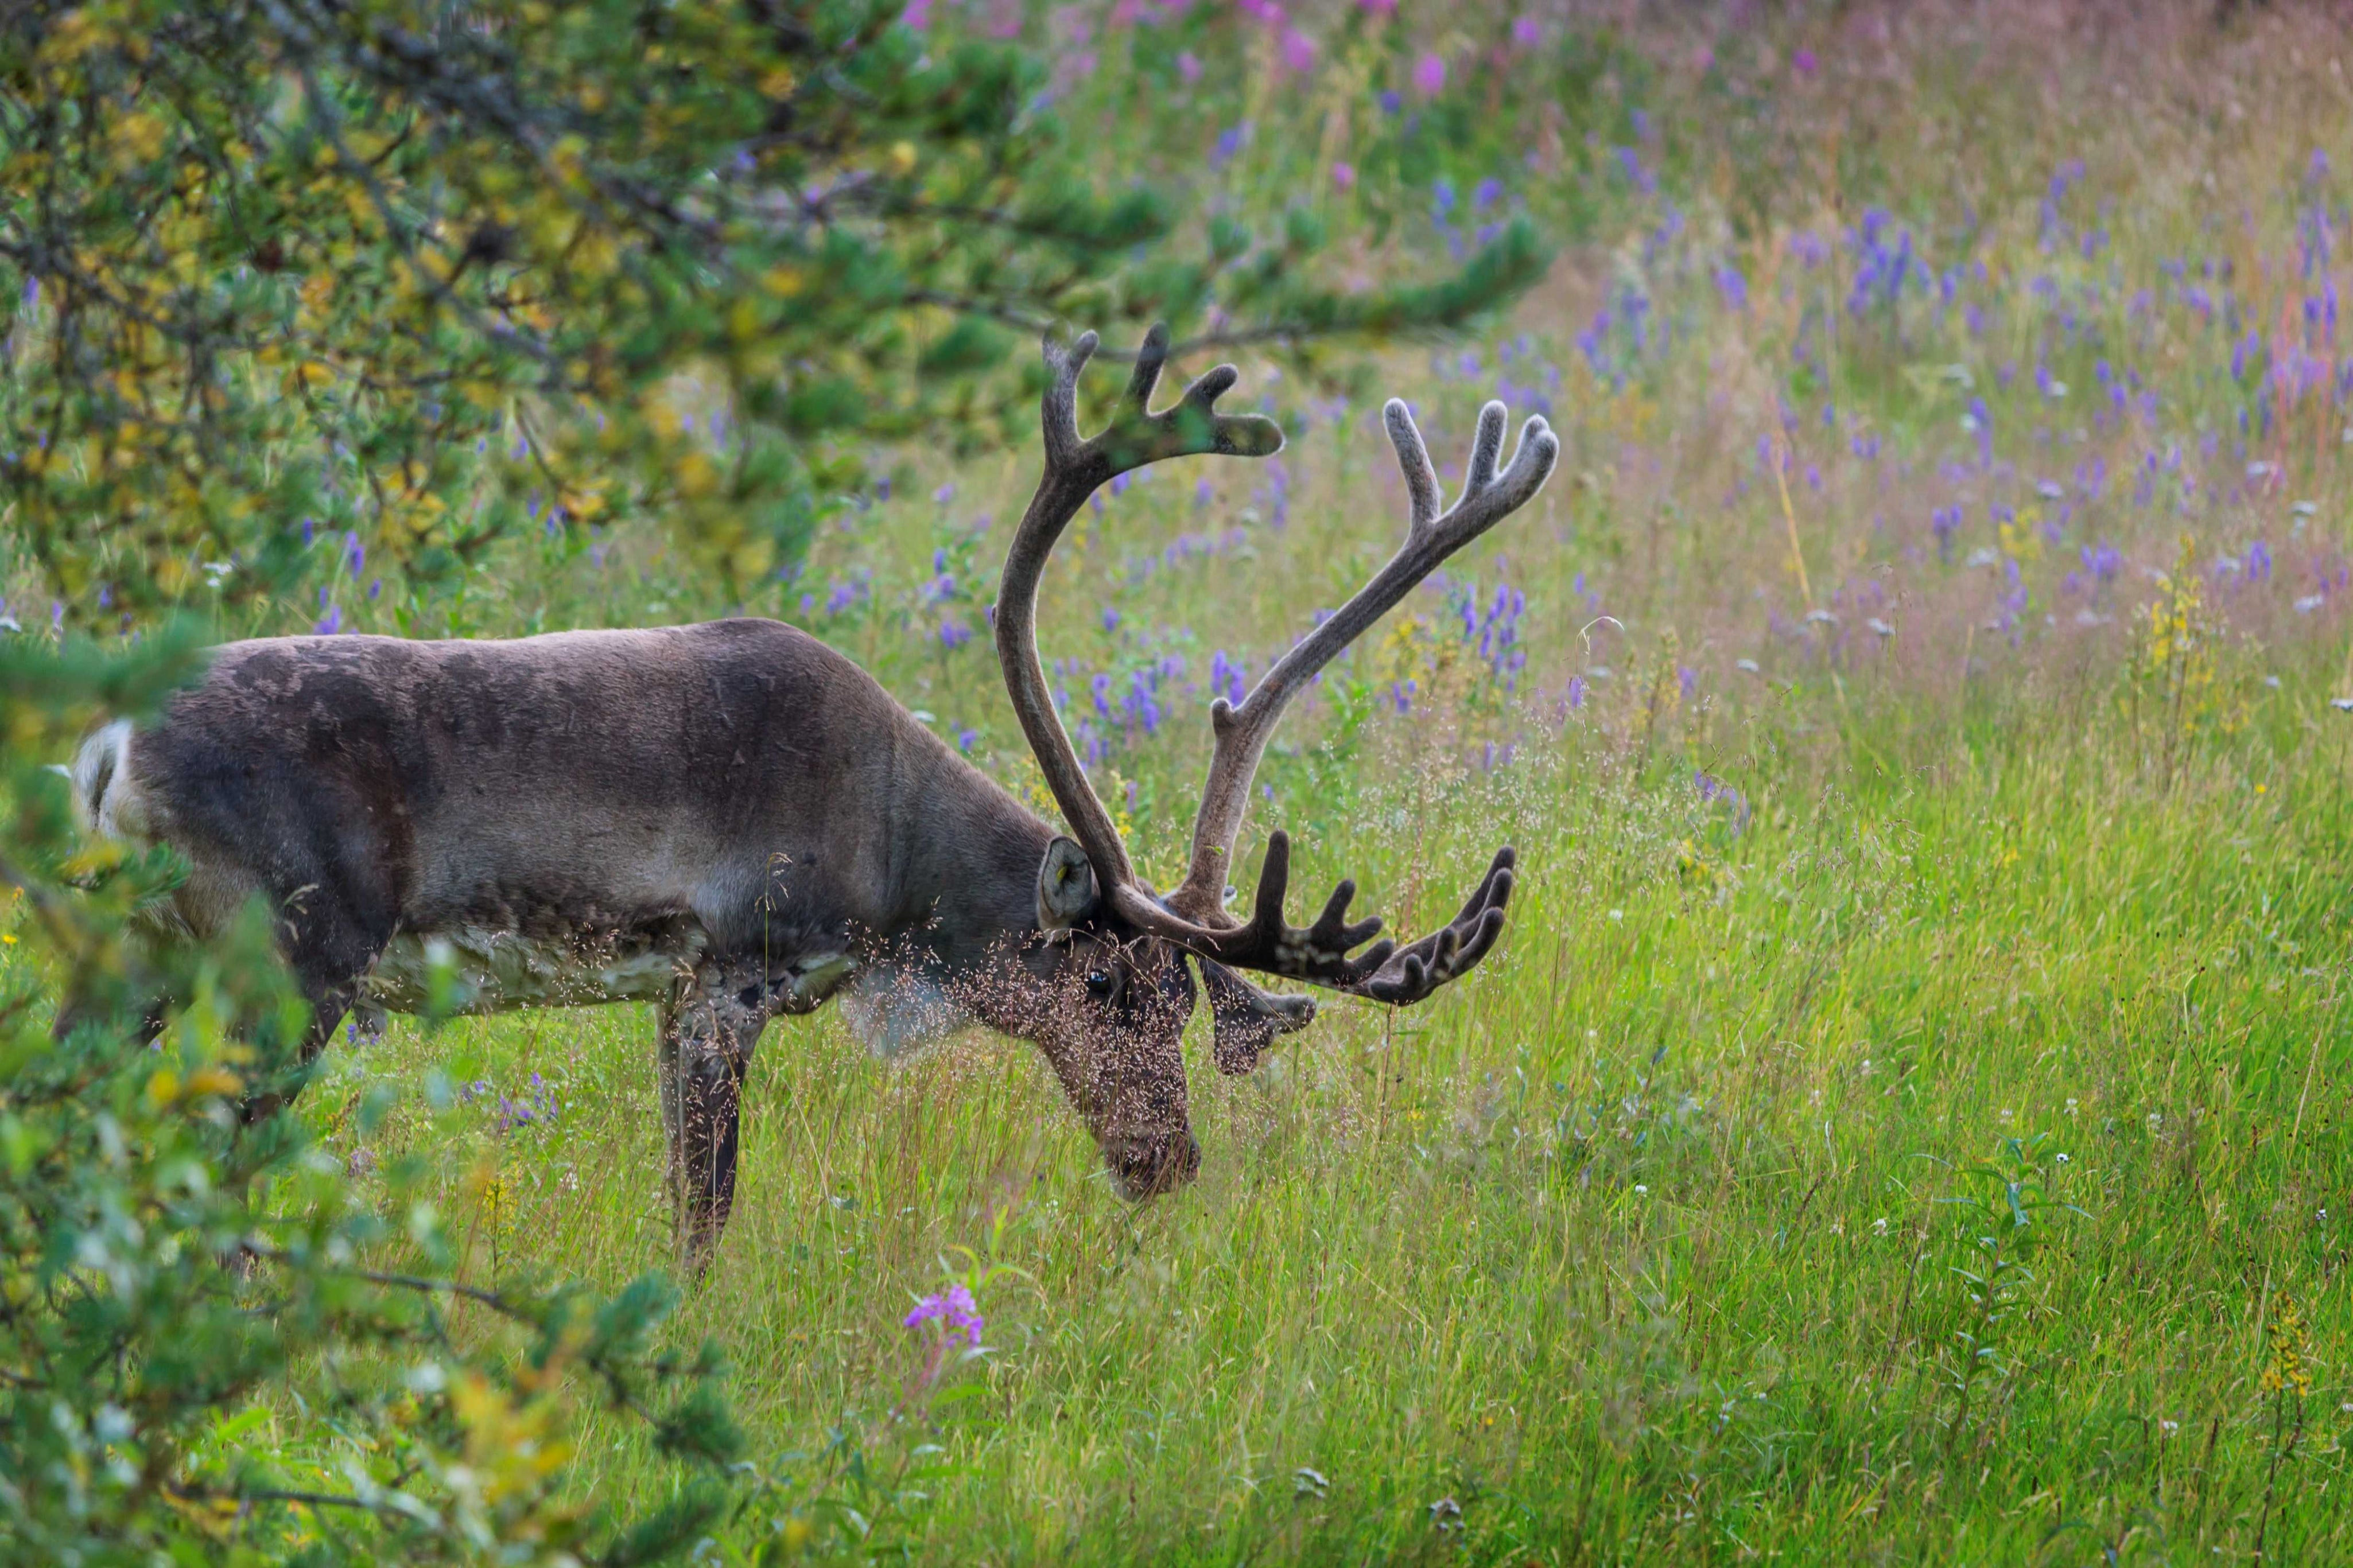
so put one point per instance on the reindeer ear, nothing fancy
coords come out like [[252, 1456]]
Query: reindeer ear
[[1066, 885], [1246, 1018]]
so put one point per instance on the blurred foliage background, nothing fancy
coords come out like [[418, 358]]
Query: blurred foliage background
[[425, 276]]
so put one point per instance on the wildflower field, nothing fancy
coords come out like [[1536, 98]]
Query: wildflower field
[[1906, 1118]]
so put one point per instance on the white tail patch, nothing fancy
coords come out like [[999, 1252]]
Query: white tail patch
[[106, 797]]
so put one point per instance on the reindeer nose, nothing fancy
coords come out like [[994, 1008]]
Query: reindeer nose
[[1146, 1168], [1175, 1164]]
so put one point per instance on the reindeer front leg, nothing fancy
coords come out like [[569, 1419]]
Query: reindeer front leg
[[710, 1027]]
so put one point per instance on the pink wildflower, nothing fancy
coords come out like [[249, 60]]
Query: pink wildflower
[[952, 1308]]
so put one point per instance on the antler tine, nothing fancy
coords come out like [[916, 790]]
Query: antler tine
[[1486, 445], [1241, 734], [1060, 418], [1413, 460], [1074, 468], [1150, 356]]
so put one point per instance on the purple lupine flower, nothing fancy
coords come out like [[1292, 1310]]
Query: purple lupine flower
[[966, 738], [2240, 354], [1110, 619], [1226, 678], [846, 595], [1732, 286], [2259, 561], [330, 623], [953, 1309]]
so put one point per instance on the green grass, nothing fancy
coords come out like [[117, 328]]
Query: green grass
[[1652, 1240]]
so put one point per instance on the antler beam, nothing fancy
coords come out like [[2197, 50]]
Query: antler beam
[[1242, 733], [1194, 917], [1074, 468]]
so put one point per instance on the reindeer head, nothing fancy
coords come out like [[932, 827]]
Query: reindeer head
[[1112, 957]]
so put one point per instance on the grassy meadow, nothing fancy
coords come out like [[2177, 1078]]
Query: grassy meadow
[[1906, 1118]]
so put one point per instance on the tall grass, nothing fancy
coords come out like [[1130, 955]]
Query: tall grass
[[1906, 1118], [1657, 1238]]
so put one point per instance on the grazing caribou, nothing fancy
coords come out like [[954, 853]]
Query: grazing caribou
[[734, 821]]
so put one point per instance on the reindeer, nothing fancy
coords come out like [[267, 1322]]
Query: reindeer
[[734, 822]]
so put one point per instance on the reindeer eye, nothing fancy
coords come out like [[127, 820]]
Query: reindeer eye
[[1098, 984]]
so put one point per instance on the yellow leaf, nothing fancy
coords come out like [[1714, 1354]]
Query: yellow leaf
[[697, 475], [213, 1080], [140, 136]]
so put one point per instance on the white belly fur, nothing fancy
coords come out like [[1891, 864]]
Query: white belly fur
[[494, 971], [491, 971]]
